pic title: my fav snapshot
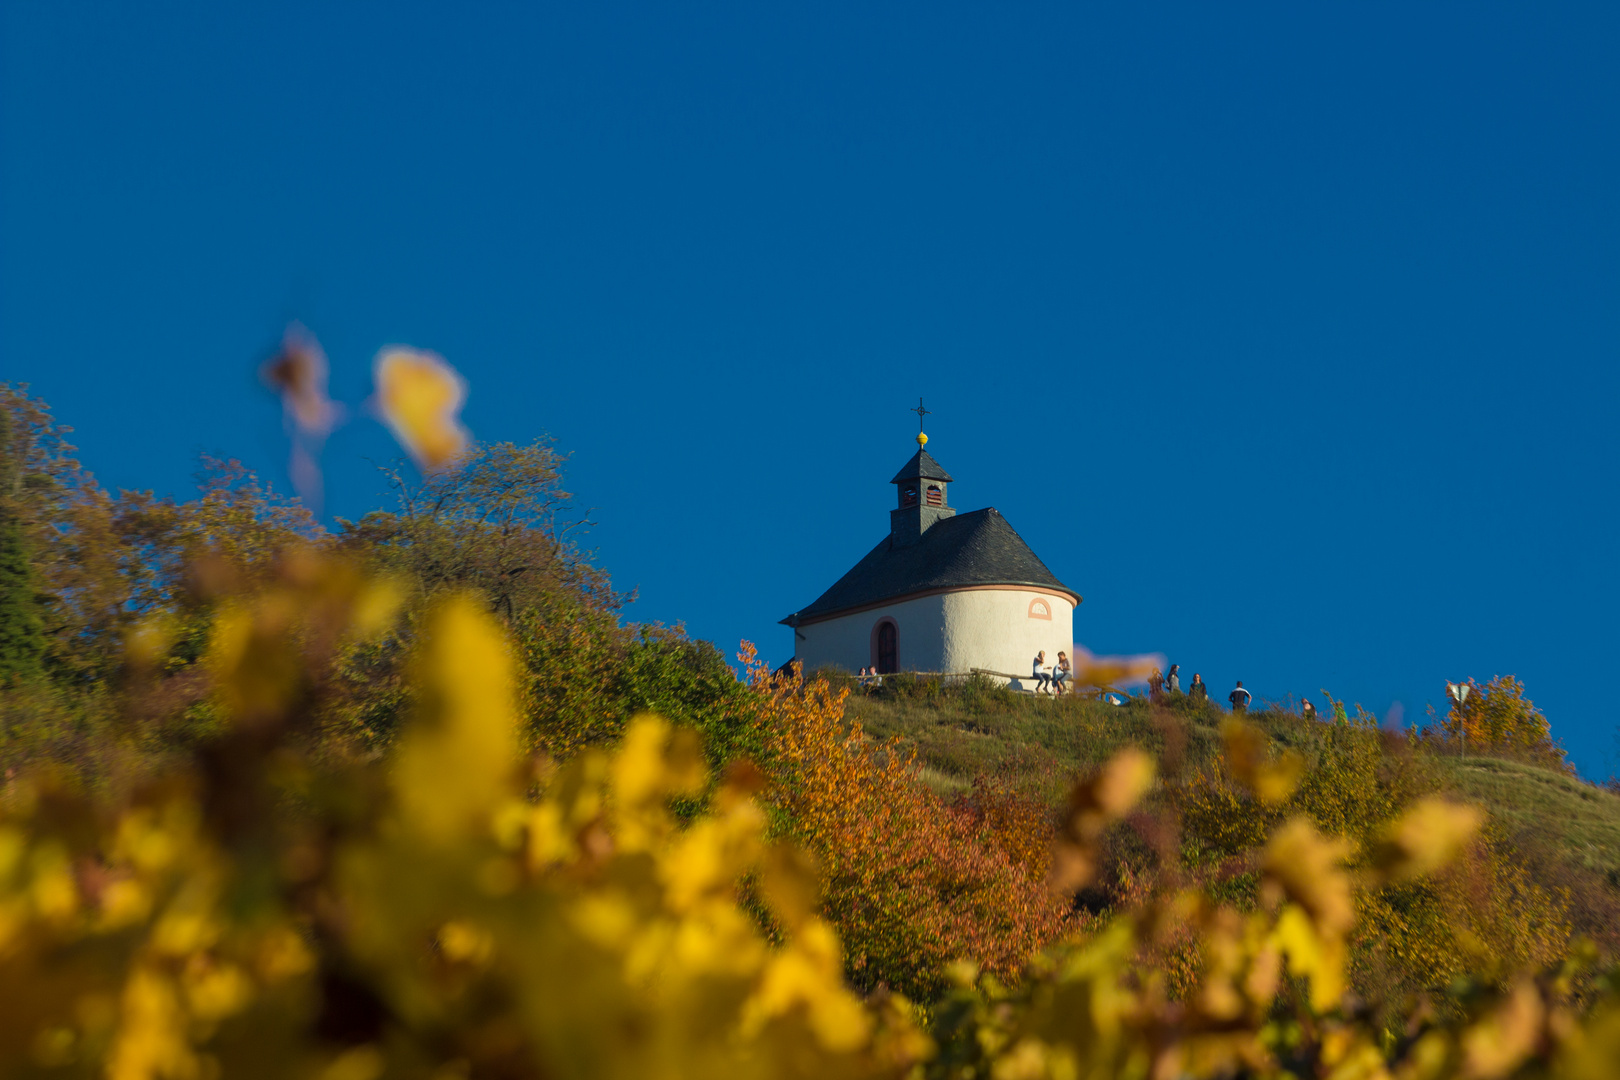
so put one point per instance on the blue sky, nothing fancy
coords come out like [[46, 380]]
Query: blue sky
[[1285, 334]]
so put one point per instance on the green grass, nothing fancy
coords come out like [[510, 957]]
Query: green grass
[[1041, 743], [1583, 820]]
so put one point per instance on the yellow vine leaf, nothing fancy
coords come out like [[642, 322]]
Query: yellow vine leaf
[[420, 398], [1430, 835], [1094, 803], [1592, 1050], [1272, 781], [1305, 868], [1500, 1043], [1311, 954], [1108, 671], [455, 759]]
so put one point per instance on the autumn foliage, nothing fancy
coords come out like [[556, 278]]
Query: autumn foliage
[[386, 803], [454, 911], [423, 919], [912, 882], [1498, 714], [1476, 909]]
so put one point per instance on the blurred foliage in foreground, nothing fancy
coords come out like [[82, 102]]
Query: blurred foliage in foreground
[[371, 802], [256, 916], [450, 912]]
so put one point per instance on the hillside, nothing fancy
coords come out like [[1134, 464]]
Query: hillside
[[1565, 831]]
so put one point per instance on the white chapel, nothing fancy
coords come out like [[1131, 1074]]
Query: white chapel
[[942, 592]]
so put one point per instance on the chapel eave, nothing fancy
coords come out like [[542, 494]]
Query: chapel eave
[[799, 619], [977, 550]]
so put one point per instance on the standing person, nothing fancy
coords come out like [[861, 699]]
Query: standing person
[[1155, 685], [1172, 681], [1239, 698], [1308, 709], [1199, 690], [1061, 673], [1042, 679]]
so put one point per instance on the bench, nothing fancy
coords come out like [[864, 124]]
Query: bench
[[1089, 691]]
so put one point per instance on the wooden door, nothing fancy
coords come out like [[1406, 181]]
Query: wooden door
[[888, 650]]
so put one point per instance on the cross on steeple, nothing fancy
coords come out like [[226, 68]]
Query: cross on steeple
[[921, 412]]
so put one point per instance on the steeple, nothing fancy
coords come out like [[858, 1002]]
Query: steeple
[[920, 485]]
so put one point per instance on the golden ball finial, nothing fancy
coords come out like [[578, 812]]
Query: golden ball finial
[[922, 441]]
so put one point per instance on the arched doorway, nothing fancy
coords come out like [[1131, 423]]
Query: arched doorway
[[888, 647]]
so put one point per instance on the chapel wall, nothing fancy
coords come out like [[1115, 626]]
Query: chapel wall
[[995, 629], [953, 632], [846, 642]]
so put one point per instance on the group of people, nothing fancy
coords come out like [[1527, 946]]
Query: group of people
[[1161, 683], [1055, 677], [1052, 676]]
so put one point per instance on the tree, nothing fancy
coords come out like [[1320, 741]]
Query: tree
[[238, 525], [499, 525], [22, 630], [499, 522], [1498, 714], [63, 524]]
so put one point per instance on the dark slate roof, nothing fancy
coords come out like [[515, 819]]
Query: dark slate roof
[[921, 467], [979, 548]]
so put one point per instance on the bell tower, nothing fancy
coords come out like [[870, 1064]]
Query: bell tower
[[920, 486]]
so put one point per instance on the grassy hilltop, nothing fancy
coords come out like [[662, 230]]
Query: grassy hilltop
[[1567, 830]]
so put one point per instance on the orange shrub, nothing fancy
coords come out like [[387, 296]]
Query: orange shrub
[[1021, 824], [911, 882], [1499, 715]]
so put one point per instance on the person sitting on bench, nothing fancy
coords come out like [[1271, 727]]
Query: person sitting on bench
[[1042, 679], [1061, 673]]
